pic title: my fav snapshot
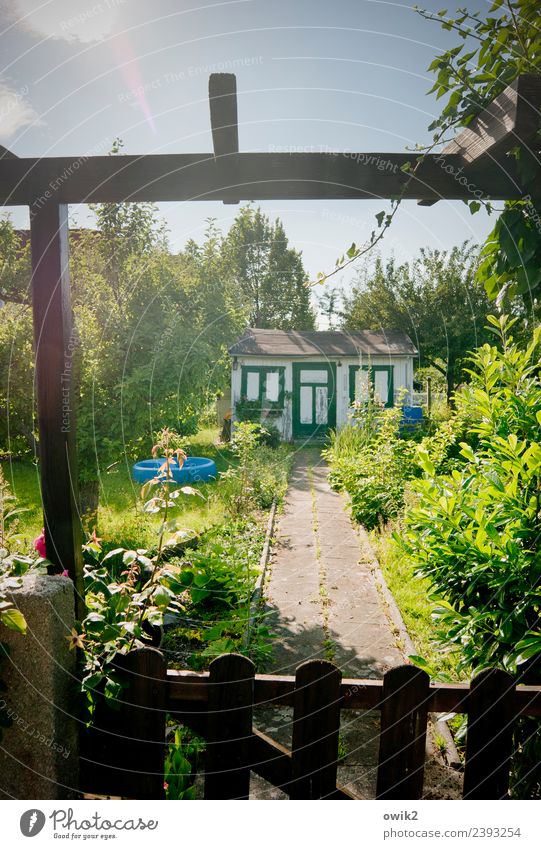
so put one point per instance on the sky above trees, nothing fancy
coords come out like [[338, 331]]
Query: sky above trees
[[311, 76]]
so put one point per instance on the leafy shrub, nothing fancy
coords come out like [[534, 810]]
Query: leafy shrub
[[270, 436], [260, 473], [475, 532], [221, 573], [443, 446], [216, 582], [374, 476]]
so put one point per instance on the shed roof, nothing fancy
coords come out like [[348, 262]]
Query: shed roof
[[330, 343]]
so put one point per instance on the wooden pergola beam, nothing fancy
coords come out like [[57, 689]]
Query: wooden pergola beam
[[247, 176], [511, 119]]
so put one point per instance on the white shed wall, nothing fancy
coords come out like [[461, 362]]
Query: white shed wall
[[403, 378]]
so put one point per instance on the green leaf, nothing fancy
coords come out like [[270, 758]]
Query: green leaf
[[113, 553], [14, 620]]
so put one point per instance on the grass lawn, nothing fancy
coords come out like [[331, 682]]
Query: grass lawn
[[121, 520], [411, 595]]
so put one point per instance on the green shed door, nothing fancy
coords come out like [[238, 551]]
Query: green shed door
[[314, 399]]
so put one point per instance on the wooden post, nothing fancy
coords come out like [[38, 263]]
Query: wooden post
[[230, 706], [428, 395], [316, 724], [489, 742], [55, 344], [404, 713]]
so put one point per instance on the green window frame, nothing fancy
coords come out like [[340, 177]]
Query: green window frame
[[263, 371], [373, 369]]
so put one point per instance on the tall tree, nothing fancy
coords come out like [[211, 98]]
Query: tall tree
[[434, 299], [269, 274]]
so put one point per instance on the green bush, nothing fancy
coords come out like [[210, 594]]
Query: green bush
[[373, 468], [475, 532], [221, 572], [270, 436]]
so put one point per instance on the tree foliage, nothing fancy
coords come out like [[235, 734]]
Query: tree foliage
[[270, 275], [434, 299]]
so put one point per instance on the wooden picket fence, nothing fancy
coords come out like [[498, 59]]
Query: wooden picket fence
[[123, 753]]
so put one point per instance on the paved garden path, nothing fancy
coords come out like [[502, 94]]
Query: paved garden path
[[322, 602]]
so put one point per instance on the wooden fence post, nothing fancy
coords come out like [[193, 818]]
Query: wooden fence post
[[55, 345], [489, 742], [124, 751], [404, 712], [230, 708], [316, 724]]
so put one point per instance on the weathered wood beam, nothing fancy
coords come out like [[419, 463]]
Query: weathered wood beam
[[55, 344], [248, 176], [223, 114], [511, 119], [7, 154], [187, 693], [224, 117]]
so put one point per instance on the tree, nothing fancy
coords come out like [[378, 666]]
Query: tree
[[329, 305], [153, 333], [494, 50], [434, 299], [270, 275]]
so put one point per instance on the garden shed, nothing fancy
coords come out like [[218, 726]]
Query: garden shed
[[306, 382]]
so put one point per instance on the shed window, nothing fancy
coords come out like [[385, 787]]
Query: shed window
[[381, 378], [272, 386], [263, 384], [252, 386]]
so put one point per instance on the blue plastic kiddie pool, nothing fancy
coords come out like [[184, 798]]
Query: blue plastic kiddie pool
[[194, 470]]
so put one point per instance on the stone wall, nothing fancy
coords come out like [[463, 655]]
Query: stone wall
[[39, 754]]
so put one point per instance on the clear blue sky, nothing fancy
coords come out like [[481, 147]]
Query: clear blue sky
[[311, 75]]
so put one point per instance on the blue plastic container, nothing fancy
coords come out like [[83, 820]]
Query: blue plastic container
[[412, 416], [194, 470]]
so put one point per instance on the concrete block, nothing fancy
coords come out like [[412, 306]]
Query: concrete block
[[39, 753]]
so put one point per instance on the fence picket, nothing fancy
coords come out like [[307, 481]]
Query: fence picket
[[230, 707], [123, 751], [316, 724], [402, 742], [489, 741]]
